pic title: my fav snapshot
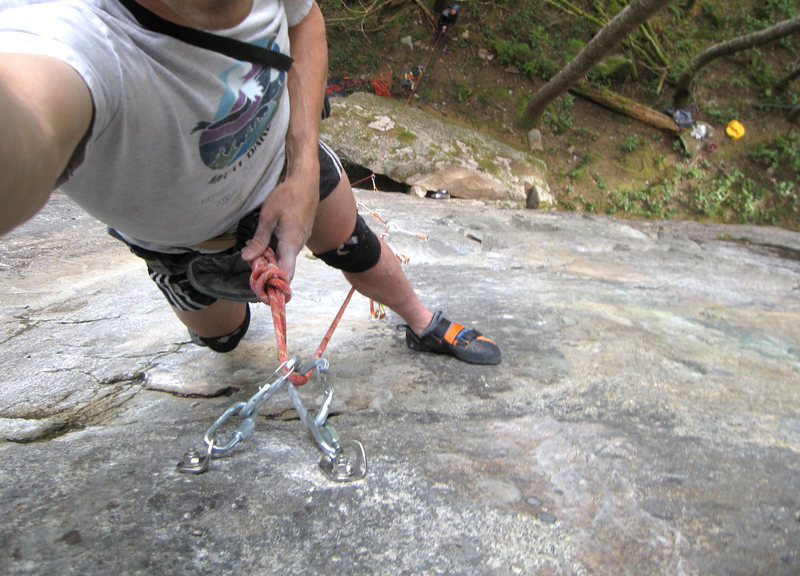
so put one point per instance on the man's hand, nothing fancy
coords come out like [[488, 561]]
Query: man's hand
[[287, 216]]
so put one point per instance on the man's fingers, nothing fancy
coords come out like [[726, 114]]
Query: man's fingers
[[254, 248], [287, 263], [285, 251], [289, 247]]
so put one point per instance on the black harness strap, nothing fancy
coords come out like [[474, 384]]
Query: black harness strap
[[236, 49]]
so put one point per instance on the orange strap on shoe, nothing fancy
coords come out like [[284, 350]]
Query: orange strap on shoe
[[271, 285], [452, 333]]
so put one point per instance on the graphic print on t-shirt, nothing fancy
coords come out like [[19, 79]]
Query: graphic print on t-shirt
[[251, 97]]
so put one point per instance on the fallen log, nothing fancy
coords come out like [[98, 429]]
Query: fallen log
[[626, 106]]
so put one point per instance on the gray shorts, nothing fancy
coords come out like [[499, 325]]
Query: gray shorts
[[169, 271]]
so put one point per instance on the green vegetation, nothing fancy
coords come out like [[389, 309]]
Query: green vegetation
[[718, 192], [404, 136], [599, 161], [562, 120], [630, 144]]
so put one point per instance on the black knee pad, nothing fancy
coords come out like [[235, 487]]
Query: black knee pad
[[360, 253], [229, 341]]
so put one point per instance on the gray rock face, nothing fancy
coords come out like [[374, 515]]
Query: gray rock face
[[643, 421], [421, 150]]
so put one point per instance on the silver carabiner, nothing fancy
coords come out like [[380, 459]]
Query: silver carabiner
[[342, 461], [238, 435], [319, 364], [265, 392], [324, 435]]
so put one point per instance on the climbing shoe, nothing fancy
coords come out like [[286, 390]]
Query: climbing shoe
[[444, 337]]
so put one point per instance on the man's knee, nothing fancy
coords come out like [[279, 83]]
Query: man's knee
[[227, 342], [358, 254]]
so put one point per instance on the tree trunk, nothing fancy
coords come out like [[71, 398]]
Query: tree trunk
[[608, 38], [729, 47], [631, 108]]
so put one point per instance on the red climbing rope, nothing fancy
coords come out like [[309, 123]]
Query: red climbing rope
[[271, 285]]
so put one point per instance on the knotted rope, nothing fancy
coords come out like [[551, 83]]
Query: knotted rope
[[271, 285]]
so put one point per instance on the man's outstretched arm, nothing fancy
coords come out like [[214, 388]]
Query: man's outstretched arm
[[45, 110]]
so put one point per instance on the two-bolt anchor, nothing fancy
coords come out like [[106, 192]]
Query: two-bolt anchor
[[342, 460]]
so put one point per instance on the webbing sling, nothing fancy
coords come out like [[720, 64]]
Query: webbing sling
[[242, 51]]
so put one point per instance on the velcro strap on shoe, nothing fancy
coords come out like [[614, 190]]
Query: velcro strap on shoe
[[452, 333]]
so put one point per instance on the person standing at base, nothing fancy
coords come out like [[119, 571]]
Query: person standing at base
[[447, 19]]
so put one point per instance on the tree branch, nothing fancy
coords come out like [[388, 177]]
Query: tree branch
[[607, 39], [782, 84], [745, 42]]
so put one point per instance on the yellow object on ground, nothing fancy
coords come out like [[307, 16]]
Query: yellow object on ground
[[734, 129]]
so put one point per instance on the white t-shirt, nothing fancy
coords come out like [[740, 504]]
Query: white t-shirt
[[184, 141]]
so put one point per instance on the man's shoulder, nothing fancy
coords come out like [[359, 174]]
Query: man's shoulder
[[79, 33], [55, 18], [83, 25], [75, 7]]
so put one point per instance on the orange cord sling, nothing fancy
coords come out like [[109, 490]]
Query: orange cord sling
[[271, 285]]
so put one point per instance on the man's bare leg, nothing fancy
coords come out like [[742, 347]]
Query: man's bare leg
[[385, 282], [220, 319]]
